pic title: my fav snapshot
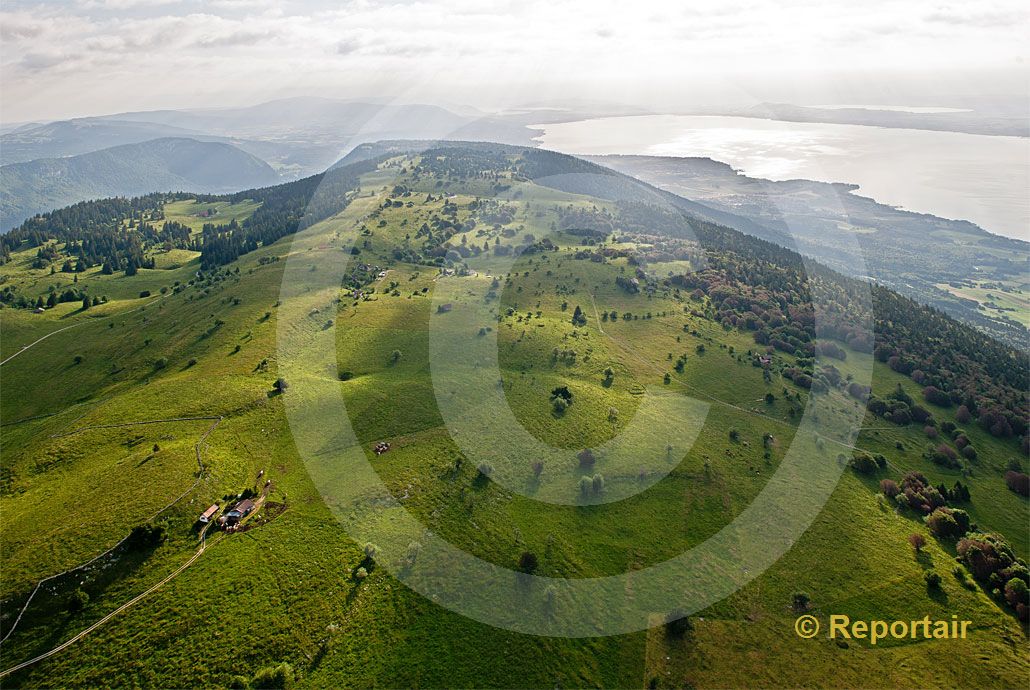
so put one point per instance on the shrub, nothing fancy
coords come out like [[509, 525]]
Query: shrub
[[360, 573], [586, 458], [160, 362], [370, 551], [280, 385], [948, 523], [414, 549], [933, 579], [958, 493], [586, 485], [943, 455], [597, 484], [734, 435], [800, 601], [917, 541], [864, 463], [1018, 482], [538, 468], [937, 396], [528, 562], [1016, 592], [962, 414], [485, 469], [889, 488], [985, 554], [274, 678], [562, 392]]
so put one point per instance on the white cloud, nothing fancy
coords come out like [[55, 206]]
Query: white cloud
[[124, 4], [129, 54]]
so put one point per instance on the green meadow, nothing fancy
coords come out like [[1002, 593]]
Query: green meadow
[[197, 359]]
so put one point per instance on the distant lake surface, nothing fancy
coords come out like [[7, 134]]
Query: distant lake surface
[[974, 177]]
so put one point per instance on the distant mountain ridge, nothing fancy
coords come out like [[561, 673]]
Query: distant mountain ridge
[[992, 124], [297, 136], [167, 164], [82, 135]]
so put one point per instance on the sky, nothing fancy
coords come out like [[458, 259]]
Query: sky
[[90, 57]]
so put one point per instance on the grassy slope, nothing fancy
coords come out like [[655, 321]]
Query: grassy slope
[[283, 592]]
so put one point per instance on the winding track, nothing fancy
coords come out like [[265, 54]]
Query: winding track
[[37, 342], [77, 323], [138, 597], [200, 475]]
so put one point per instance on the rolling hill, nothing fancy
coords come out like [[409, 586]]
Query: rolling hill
[[66, 138], [139, 395], [170, 164]]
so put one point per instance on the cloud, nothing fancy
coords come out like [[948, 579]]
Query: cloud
[[481, 49], [348, 46], [124, 4], [977, 16], [42, 61]]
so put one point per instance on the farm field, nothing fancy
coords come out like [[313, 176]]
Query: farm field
[[148, 409], [1011, 302]]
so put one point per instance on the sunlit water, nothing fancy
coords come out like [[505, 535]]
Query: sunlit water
[[983, 179]]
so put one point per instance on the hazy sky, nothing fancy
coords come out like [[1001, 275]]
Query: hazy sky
[[83, 57]]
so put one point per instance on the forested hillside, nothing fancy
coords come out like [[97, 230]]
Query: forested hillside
[[167, 165]]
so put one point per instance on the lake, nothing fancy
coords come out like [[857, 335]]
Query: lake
[[983, 179]]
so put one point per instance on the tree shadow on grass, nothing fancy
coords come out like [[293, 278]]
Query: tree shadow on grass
[[938, 595]]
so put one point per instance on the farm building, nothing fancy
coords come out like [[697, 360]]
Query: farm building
[[209, 513], [239, 511]]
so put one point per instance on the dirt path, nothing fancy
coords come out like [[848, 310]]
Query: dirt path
[[139, 597], [67, 643], [597, 315], [37, 342], [198, 446], [77, 323]]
